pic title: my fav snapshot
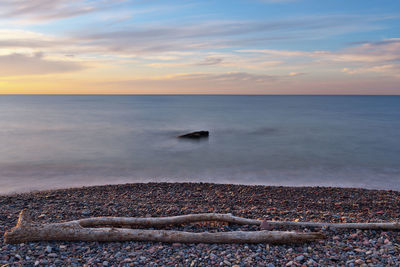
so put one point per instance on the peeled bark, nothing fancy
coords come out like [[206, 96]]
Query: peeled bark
[[26, 231]]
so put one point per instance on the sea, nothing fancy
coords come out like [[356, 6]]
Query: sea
[[61, 141]]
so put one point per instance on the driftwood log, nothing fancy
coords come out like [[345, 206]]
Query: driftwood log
[[27, 231], [87, 230]]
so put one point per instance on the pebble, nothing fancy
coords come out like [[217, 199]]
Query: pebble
[[290, 263], [227, 263], [359, 261], [48, 249], [311, 262]]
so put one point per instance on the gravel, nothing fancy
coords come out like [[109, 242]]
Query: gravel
[[342, 247]]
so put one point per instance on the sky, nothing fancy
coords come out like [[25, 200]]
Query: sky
[[199, 47]]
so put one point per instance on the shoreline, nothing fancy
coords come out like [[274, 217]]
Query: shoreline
[[325, 204], [77, 187]]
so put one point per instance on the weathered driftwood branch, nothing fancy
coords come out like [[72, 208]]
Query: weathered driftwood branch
[[27, 231], [362, 226], [79, 230], [163, 221], [229, 218]]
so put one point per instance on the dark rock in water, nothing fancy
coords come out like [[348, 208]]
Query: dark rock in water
[[195, 135]]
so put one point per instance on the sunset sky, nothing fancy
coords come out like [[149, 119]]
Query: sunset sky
[[200, 47]]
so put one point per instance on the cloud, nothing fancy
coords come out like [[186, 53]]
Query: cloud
[[149, 39], [229, 77], [389, 69], [19, 64], [210, 61], [208, 83], [292, 74], [157, 38], [388, 50], [45, 10], [373, 57], [28, 43], [15, 39]]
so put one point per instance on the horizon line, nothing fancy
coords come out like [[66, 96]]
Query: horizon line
[[172, 94]]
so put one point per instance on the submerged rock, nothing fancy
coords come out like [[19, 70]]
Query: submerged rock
[[195, 135]]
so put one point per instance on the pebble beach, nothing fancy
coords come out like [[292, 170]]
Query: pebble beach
[[322, 204]]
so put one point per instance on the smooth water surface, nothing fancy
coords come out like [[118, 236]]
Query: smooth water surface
[[66, 140]]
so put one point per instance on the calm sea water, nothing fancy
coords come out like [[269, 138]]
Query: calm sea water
[[63, 141]]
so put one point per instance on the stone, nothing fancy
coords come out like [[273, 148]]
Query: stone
[[85, 212], [290, 263], [48, 249], [195, 135], [311, 262], [299, 258], [227, 263], [359, 261], [266, 226]]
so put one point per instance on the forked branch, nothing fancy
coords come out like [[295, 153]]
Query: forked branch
[[87, 230], [79, 230]]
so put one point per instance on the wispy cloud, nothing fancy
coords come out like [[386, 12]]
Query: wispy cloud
[[379, 57], [153, 38], [210, 61], [221, 83], [19, 64], [386, 70], [217, 34], [44, 10], [28, 40]]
